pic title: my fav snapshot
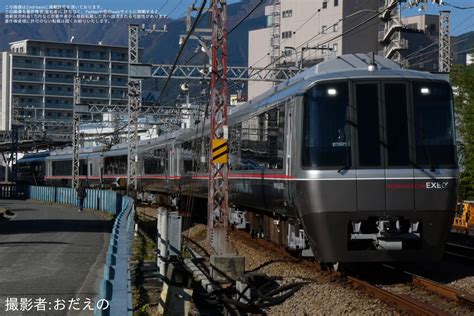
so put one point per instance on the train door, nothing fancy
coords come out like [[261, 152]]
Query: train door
[[289, 135], [369, 132], [399, 186]]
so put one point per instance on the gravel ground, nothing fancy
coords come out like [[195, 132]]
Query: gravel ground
[[322, 296], [434, 300], [465, 284]]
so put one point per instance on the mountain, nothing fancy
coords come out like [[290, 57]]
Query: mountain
[[158, 47]]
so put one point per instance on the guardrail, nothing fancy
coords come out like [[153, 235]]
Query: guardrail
[[102, 200], [115, 286]]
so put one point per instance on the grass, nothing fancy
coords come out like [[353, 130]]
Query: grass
[[143, 250]]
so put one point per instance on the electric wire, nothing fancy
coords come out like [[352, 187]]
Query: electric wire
[[180, 52]]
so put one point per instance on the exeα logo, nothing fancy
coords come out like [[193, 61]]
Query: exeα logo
[[436, 185]]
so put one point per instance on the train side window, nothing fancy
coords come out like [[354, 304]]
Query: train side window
[[368, 125], [396, 119], [157, 163], [187, 155], [62, 167], [258, 143]]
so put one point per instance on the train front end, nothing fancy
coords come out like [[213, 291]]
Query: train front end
[[376, 171]]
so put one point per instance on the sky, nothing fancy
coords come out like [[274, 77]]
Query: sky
[[462, 21]]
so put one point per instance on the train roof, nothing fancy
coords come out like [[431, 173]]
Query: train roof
[[41, 156], [352, 66]]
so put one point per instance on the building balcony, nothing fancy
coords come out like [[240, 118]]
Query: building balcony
[[94, 69], [119, 83], [18, 64], [59, 80], [58, 55], [95, 83], [393, 26], [102, 95], [119, 95], [58, 106], [59, 93], [61, 67], [120, 70], [27, 78], [94, 56], [27, 91], [395, 46]]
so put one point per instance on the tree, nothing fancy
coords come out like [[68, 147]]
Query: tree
[[462, 78]]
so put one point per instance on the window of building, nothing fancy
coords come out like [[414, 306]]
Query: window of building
[[323, 29], [286, 34], [334, 47], [336, 3], [325, 4], [287, 13], [334, 27]]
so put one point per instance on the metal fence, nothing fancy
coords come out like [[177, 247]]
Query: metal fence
[[115, 286], [103, 200]]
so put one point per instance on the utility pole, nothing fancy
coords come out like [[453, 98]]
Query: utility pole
[[444, 42], [14, 139], [134, 107], [218, 209], [134, 102], [275, 37], [76, 120]]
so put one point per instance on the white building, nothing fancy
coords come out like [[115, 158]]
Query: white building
[[469, 59], [305, 32]]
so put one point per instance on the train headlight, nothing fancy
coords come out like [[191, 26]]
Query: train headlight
[[332, 92], [425, 91]]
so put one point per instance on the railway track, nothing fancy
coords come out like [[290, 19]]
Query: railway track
[[406, 302], [460, 251]]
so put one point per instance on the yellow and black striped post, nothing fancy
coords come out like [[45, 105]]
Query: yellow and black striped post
[[220, 151]]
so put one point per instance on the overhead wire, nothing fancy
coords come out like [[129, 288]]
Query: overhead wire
[[180, 52]]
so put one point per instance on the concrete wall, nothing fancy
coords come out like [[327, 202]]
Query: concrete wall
[[306, 22], [363, 39], [5, 91], [259, 46]]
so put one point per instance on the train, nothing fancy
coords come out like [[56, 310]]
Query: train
[[352, 160]]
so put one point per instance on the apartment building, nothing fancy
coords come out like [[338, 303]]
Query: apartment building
[[412, 41], [301, 33], [37, 78]]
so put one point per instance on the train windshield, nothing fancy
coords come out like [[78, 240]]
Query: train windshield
[[434, 126], [326, 132]]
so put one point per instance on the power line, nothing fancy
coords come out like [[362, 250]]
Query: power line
[[245, 17], [457, 53], [180, 52], [458, 7]]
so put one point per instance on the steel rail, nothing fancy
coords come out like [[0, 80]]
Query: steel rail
[[443, 290], [403, 302]]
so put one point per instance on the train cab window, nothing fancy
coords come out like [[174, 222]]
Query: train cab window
[[368, 125], [396, 117], [434, 126], [326, 140]]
